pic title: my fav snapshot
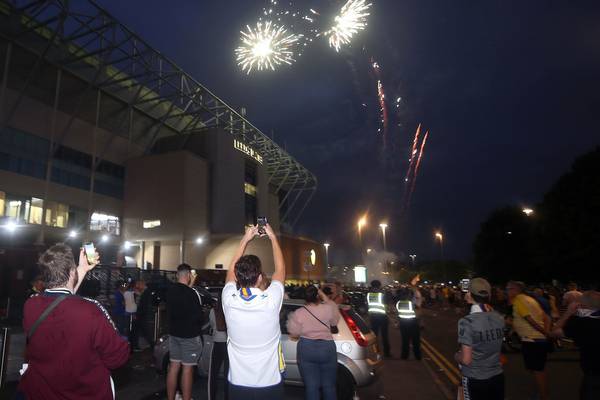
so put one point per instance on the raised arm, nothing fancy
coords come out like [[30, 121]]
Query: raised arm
[[84, 267], [250, 233], [279, 274]]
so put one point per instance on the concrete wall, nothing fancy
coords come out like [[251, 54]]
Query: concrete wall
[[172, 188]]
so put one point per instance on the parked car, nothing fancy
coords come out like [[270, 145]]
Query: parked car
[[358, 355]]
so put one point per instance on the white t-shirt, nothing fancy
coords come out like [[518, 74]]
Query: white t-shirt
[[254, 335], [130, 305]]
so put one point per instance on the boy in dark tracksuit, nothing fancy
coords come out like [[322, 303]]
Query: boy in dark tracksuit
[[480, 337]]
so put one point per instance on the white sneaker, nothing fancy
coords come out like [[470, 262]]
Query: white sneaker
[[178, 396]]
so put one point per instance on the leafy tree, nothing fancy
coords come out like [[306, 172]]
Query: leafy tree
[[569, 226], [561, 240]]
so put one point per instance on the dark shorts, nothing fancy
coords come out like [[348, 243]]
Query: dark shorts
[[186, 351], [483, 389], [535, 355], [274, 392]]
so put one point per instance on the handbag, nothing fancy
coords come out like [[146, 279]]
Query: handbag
[[332, 328]]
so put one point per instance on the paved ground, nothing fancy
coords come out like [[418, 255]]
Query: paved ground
[[563, 369], [434, 378]]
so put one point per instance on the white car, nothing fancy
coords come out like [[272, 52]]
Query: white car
[[358, 356]]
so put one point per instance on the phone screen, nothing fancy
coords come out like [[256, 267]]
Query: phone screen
[[261, 222], [90, 252]]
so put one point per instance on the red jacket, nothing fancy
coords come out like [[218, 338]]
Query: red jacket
[[72, 351]]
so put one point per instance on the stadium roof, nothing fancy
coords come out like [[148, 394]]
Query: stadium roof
[[86, 41]]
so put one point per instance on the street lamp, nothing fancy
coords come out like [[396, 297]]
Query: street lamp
[[326, 245], [383, 227], [362, 222], [527, 211], [440, 237], [369, 250]]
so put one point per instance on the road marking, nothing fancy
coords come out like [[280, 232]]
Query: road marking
[[450, 365], [449, 374]]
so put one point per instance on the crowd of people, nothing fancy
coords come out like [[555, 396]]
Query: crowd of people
[[245, 323]]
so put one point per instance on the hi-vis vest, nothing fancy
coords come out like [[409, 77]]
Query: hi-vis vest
[[375, 302], [405, 309]]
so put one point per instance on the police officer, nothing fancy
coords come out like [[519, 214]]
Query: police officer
[[378, 316], [407, 306]]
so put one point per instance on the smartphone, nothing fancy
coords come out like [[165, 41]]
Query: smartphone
[[261, 222], [90, 252]]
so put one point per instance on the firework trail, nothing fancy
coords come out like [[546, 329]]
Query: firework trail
[[414, 180], [413, 153]]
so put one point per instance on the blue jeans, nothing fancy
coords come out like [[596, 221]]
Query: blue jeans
[[317, 360]]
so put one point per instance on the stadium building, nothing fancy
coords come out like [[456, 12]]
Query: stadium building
[[102, 138]]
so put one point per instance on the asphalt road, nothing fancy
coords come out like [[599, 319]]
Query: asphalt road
[[564, 374]]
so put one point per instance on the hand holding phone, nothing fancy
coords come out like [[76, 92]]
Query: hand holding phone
[[90, 252], [261, 222]]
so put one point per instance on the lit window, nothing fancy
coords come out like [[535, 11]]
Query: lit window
[[57, 214], [13, 209], [250, 189], [36, 209], [105, 223], [149, 224], [2, 202]]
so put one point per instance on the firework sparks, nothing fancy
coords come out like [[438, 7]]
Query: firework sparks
[[413, 152], [265, 47], [414, 181], [351, 19]]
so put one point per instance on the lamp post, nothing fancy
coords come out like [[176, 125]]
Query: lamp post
[[362, 222], [440, 237], [412, 258], [326, 245], [383, 227]]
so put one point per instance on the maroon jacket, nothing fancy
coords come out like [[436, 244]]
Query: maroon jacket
[[72, 351]]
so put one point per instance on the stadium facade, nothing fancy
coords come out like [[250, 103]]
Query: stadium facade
[[103, 138]]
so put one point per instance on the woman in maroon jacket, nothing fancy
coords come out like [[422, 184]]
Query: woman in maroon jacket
[[72, 351]]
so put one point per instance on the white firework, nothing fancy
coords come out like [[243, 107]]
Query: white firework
[[351, 19], [265, 47]]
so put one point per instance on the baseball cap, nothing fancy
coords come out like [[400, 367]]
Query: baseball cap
[[480, 287]]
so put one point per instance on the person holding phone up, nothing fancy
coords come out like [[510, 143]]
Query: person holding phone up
[[72, 343], [317, 356]]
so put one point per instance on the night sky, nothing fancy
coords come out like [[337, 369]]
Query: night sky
[[509, 90]]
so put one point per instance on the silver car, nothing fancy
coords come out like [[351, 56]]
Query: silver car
[[358, 356]]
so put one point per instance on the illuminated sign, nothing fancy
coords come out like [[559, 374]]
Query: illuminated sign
[[247, 150], [360, 274]]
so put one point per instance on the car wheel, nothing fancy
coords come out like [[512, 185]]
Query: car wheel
[[345, 385]]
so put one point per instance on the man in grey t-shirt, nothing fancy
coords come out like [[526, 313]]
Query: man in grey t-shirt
[[480, 337]]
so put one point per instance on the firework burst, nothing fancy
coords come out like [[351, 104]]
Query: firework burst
[[266, 46], [351, 19]]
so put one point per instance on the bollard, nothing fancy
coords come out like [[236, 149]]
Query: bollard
[[4, 344]]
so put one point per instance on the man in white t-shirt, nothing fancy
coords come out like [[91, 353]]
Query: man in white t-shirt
[[252, 317]]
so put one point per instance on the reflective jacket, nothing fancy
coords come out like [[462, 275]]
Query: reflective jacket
[[375, 303], [406, 309]]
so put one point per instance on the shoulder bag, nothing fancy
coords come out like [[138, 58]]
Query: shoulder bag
[[332, 328]]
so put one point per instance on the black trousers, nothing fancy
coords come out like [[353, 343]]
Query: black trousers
[[274, 392], [590, 387], [218, 357], [484, 389], [411, 333], [379, 325], [142, 328]]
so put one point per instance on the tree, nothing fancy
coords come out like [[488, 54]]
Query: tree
[[561, 240], [569, 227]]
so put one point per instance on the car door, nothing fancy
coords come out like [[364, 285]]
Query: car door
[[292, 373]]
